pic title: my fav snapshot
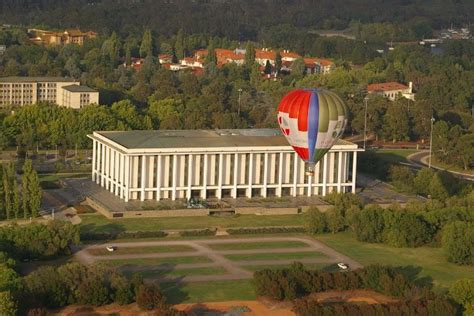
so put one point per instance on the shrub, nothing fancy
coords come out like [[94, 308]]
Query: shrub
[[266, 230], [316, 222], [369, 224], [462, 292], [402, 178], [198, 232], [149, 297], [8, 305], [122, 235], [458, 242], [406, 229]]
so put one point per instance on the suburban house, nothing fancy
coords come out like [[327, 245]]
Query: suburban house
[[392, 90], [69, 36]]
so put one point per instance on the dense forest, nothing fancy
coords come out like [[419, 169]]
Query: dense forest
[[238, 20]]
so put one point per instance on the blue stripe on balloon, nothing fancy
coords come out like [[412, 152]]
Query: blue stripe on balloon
[[313, 123]]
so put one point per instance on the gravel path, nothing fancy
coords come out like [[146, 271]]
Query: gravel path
[[235, 269]]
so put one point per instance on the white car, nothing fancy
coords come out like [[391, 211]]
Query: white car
[[110, 248], [342, 266]]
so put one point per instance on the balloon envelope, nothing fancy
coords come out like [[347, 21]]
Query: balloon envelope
[[312, 121]]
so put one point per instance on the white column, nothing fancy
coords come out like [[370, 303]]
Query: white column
[[143, 179], [280, 175], [127, 178], [175, 165], [354, 171], [190, 174], [310, 182], [107, 167], [236, 169], [250, 176], [102, 167], [121, 175], [295, 173], [99, 163], [325, 174], [158, 178], [94, 144], [339, 171], [219, 177], [204, 178], [265, 174], [112, 170]]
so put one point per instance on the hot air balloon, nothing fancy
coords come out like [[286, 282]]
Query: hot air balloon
[[312, 121]]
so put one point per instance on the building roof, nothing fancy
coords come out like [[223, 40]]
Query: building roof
[[36, 79], [78, 88], [166, 139], [289, 54], [386, 86], [265, 54]]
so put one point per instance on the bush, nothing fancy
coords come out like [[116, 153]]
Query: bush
[[266, 230], [198, 232], [8, 305], [458, 242], [122, 235], [316, 221], [406, 229], [402, 178], [462, 292], [149, 297], [369, 224]]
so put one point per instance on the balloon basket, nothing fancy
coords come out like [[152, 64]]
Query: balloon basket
[[309, 169]]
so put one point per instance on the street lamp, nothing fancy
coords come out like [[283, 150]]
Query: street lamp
[[431, 141], [366, 99], [240, 92]]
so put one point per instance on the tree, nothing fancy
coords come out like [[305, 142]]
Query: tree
[[278, 62], [9, 279], [35, 193], [462, 292], [27, 169], [249, 54], [335, 220], [465, 150], [8, 305], [369, 224], [147, 46], [298, 67], [316, 221], [422, 181], [268, 68], [149, 297], [396, 122], [211, 57], [458, 242]]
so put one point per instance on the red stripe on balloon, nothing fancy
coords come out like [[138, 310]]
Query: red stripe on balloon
[[303, 112], [302, 152]]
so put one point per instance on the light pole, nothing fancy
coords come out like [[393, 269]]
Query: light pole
[[240, 92], [366, 99], [431, 141]]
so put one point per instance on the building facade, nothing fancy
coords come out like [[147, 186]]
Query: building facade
[[20, 91], [155, 165], [392, 90]]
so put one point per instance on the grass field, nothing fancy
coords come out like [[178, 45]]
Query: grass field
[[275, 256], [395, 155], [428, 262], [97, 223], [156, 273], [208, 291], [136, 250], [155, 261], [312, 266], [258, 245]]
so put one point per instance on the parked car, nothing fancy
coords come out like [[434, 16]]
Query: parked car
[[342, 266], [110, 248]]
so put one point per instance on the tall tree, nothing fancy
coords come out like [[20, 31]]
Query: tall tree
[[211, 57], [25, 188], [35, 194], [147, 45], [249, 54], [3, 213], [179, 45], [278, 62]]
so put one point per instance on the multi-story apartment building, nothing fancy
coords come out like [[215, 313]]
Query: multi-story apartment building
[[67, 92]]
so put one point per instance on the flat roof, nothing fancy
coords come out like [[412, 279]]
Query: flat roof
[[78, 88], [36, 79], [161, 139]]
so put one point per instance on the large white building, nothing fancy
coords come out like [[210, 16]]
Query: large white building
[[157, 165], [66, 92]]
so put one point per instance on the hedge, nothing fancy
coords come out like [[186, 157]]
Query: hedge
[[198, 232], [122, 235], [266, 230]]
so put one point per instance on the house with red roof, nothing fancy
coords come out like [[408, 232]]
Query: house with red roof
[[192, 62], [318, 65], [392, 90], [263, 55], [165, 58]]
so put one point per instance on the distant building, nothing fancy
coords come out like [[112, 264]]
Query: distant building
[[225, 56], [165, 58], [69, 36], [192, 62], [318, 65], [156, 165], [288, 56], [392, 90], [66, 92], [263, 55], [3, 48]]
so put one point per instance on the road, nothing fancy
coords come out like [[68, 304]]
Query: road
[[235, 270], [420, 159]]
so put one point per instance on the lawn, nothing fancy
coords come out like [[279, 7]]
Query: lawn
[[395, 155], [135, 250], [258, 245], [429, 262], [275, 256], [155, 261], [309, 266], [92, 223], [214, 291], [156, 273]]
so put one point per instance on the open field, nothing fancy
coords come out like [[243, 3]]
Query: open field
[[395, 155], [157, 273], [429, 262], [151, 262], [135, 250], [97, 223], [275, 256], [258, 245]]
